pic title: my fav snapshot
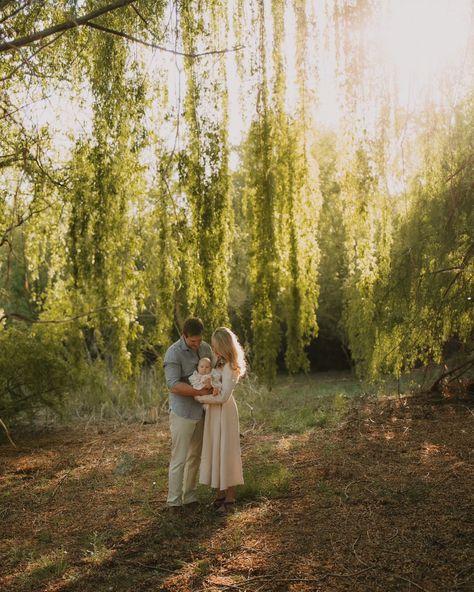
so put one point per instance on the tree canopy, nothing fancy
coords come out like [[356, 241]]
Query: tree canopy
[[165, 159]]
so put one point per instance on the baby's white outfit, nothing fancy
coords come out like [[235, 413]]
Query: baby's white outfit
[[199, 381]]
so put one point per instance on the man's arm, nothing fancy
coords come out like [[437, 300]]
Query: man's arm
[[186, 390], [174, 382]]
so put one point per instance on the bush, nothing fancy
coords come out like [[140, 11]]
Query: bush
[[34, 372]]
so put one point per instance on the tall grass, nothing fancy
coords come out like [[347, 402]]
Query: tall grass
[[297, 403]]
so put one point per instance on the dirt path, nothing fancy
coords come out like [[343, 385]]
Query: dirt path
[[383, 503]]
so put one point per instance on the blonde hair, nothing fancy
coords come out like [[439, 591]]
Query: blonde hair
[[230, 349]]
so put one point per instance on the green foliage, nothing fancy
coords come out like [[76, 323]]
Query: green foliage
[[425, 299], [203, 169], [331, 237], [281, 205], [134, 221], [35, 372]]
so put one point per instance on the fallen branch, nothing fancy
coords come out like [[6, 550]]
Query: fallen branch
[[313, 580], [356, 555], [465, 365], [410, 582], [7, 433], [147, 566], [59, 483], [353, 482]]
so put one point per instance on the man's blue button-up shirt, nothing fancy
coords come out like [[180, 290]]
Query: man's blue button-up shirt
[[179, 363]]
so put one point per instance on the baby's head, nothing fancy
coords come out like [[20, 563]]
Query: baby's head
[[204, 366]]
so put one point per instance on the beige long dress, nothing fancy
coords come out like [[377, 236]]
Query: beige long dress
[[221, 462]]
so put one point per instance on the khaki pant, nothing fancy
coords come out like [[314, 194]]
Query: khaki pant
[[186, 444]]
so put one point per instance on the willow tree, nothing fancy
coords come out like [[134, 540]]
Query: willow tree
[[282, 202], [203, 167], [366, 210], [426, 311], [409, 252], [260, 197], [302, 208], [106, 189]]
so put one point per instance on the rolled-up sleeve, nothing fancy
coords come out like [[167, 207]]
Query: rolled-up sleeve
[[172, 368]]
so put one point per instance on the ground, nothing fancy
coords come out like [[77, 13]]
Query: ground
[[380, 501]]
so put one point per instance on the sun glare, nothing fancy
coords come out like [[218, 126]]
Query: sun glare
[[425, 39], [415, 46]]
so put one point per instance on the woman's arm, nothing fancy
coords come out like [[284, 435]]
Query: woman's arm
[[229, 380]]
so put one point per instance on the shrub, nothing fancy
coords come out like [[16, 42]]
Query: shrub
[[34, 372]]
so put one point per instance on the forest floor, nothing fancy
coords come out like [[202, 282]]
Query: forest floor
[[382, 500]]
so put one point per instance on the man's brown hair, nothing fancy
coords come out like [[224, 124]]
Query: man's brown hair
[[193, 327]]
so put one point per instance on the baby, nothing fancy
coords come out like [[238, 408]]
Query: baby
[[205, 376]]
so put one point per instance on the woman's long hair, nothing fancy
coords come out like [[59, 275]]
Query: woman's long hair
[[229, 348]]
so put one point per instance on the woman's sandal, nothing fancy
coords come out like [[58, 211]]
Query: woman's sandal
[[226, 507], [217, 503]]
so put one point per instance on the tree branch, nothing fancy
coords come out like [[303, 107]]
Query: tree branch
[[4, 3], [160, 47], [70, 23], [434, 387], [462, 267], [7, 433]]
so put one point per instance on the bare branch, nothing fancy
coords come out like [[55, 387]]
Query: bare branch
[[436, 383], [468, 162], [462, 266], [7, 433], [70, 23], [160, 47]]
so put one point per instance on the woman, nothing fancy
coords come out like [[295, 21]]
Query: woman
[[221, 462]]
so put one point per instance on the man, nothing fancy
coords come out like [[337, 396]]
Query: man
[[186, 414]]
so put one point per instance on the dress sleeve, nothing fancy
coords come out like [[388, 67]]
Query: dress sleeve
[[216, 378], [229, 380]]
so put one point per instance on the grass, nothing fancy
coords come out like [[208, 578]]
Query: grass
[[48, 567], [97, 551], [264, 476], [297, 404]]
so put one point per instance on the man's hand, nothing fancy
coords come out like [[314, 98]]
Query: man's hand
[[207, 390]]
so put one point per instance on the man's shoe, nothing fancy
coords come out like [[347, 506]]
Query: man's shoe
[[175, 510], [192, 505]]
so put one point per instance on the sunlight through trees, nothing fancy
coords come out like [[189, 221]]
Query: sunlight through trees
[[291, 167]]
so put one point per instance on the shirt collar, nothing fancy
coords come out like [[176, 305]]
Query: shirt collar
[[183, 344], [185, 347]]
